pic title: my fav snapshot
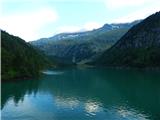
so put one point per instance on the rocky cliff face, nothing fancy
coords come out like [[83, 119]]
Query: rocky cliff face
[[82, 47], [139, 47]]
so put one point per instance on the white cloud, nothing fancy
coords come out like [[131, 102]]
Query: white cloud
[[121, 4], [139, 14], [92, 25], [68, 29], [26, 25], [86, 27]]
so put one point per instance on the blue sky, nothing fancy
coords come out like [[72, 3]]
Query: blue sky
[[34, 19]]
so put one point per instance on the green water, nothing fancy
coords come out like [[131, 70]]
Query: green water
[[84, 94]]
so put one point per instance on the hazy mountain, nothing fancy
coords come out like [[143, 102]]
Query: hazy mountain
[[139, 47], [81, 47]]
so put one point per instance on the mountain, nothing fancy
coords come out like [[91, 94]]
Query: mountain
[[19, 59], [81, 47], [139, 47]]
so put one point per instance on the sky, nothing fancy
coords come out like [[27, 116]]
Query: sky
[[34, 19]]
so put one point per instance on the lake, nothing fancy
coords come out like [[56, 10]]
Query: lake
[[84, 94]]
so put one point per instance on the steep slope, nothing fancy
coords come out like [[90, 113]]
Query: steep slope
[[139, 47], [19, 59], [82, 47]]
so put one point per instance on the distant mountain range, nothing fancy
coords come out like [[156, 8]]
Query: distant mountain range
[[139, 47], [82, 47]]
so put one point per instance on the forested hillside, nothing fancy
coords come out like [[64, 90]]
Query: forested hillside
[[139, 47], [19, 59]]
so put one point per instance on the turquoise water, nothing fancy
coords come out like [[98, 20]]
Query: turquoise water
[[84, 94]]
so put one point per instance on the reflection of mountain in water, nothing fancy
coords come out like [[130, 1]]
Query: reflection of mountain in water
[[17, 90], [112, 88], [109, 88]]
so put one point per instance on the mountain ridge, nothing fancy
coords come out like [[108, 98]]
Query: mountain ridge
[[83, 46], [139, 47]]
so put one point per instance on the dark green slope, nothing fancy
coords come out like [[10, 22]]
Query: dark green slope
[[139, 47], [19, 59]]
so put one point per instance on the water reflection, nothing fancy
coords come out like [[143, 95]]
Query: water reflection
[[130, 113], [17, 90], [67, 103], [92, 107], [86, 93], [51, 72]]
